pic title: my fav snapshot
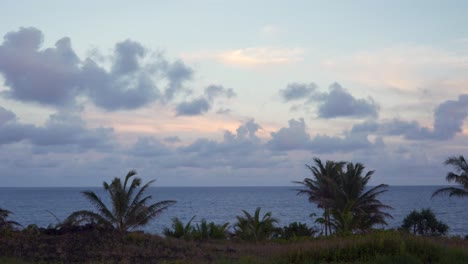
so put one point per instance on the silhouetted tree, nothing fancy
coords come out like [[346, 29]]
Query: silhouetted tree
[[130, 208], [460, 177]]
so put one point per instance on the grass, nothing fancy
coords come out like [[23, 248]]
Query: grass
[[91, 247]]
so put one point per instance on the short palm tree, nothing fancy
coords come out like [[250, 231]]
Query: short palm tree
[[460, 176], [253, 228], [129, 208]]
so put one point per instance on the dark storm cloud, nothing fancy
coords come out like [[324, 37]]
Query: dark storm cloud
[[56, 76], [448, 121], [340, 103], [203, 104], [67, 131], [295, 137], [298, 91]]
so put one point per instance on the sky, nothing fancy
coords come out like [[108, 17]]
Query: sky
[[230, 93]]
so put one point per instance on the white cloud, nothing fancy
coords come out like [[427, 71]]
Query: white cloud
[[251, 56], [408, 68]]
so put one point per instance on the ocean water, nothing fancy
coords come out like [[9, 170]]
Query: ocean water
[[223, 204]]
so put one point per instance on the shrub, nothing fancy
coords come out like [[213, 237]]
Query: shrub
[[424, 223]]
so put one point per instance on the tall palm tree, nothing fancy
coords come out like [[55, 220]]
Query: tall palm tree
[[355, 207], [347, 205], [460, 176], [322, 187], [129, 207], [251, 227]]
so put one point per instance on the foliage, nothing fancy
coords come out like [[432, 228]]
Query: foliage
[[340, 189], [129, 207], [179, 230], [201, 231], [460, 177], [295, 230], [5, 224], [94, 247], [206, 230], [424, 223], [253, 228]]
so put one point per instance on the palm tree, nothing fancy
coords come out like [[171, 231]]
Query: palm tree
[[355, 207], [321, 189], [342, 194], [253, 228], [179, 230], [4, 223], [129, 207], [460, 176]]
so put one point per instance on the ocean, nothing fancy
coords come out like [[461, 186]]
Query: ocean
[[223, 204]]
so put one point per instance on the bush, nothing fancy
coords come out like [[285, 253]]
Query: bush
[[424, 223], [295, 230]]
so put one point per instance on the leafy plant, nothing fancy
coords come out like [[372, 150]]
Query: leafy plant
[[179, 230], [295, 230], [253, 228], [424, 223], [460, 177], [341, 191], [129, 208], [5, 224]]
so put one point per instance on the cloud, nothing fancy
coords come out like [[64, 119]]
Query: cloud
[[251, 57], [448, 121], [289, 138], [340, 103], [47, 76], [62, 132], [177, 73], [213, 91], [204, 103], [172, 139], [407, 68], [148, 147], [298, 91], [57, 76], [197, 106], [261, 56], [295, 137]]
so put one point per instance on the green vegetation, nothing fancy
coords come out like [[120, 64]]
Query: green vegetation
[[294, 231], [460, 177], [348, 207], [129, 207], [92, 246], [339, 188], [201, 231], [424, 223], [254, 228], [5, 224]]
